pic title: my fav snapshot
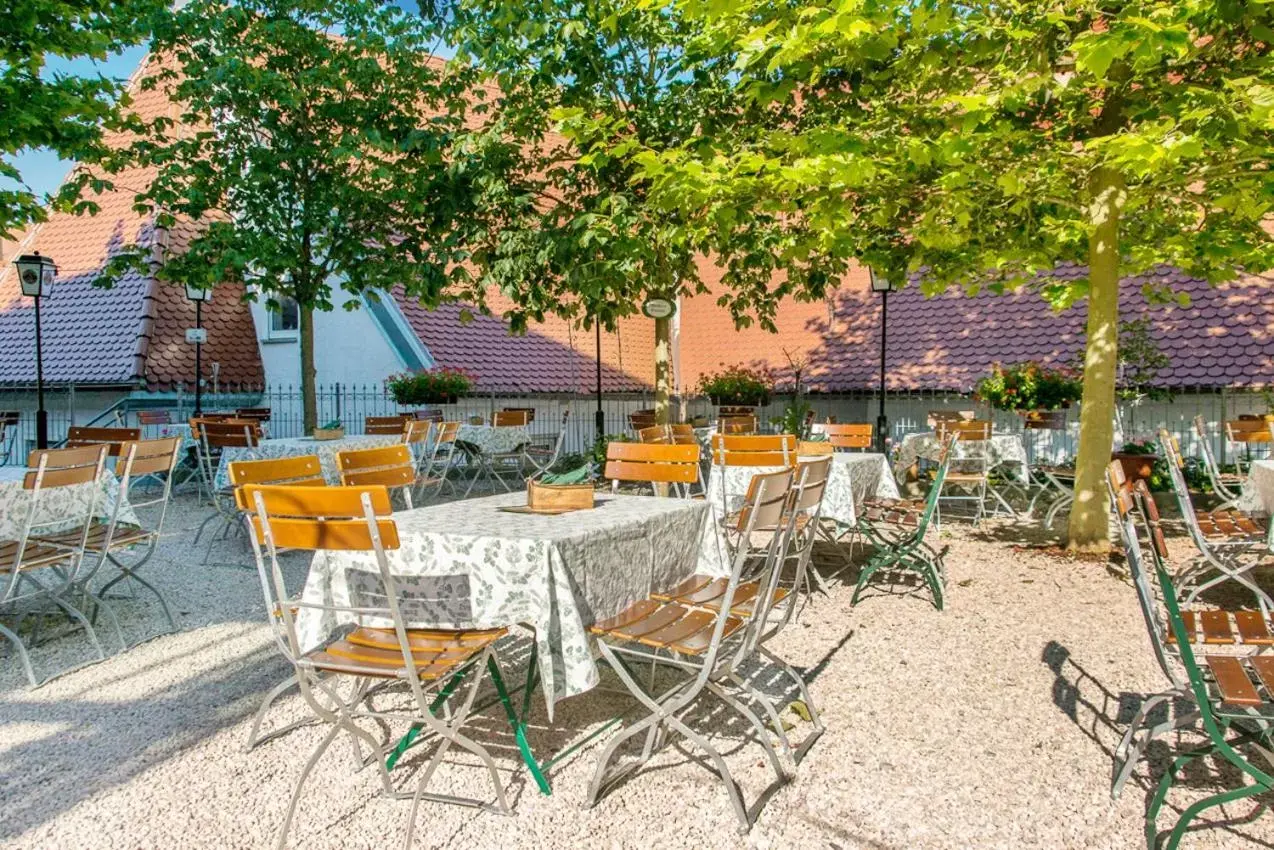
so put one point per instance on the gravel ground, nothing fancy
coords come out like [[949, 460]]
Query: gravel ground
[[988, 725]]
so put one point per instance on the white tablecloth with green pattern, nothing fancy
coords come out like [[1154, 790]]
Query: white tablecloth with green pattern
[[467, 564], [1006, 449], [65, 506], [298, 446], [490, 439], [1258, 490]]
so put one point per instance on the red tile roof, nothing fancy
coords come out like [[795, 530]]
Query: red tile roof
[[551, 357], [1224, 338], [134, 332]]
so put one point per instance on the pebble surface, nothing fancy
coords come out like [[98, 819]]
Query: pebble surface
[[988, 725]]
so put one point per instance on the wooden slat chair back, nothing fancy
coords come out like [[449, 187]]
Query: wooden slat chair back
[[528, 411], [1249, 431], [417, 431], [850, 435], [652, 463], [385, 425], [511, 418], [297, 471], [682, 434], [228, 433], [754, 450], [78, 436], [737, 424], [965, 431], [388, 466], [256, 414], [657, 434], [736, 410], [639, 419], [937, 417], [154, 417], [431, 663], [430, 415]]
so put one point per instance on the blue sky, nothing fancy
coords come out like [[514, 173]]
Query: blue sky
[[41, 170]]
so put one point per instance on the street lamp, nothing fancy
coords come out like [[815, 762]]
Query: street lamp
[[35, 275], [884, 287], [198, 295]]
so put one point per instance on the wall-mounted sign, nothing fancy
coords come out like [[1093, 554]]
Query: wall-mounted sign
[[658, 308], [196, 335]]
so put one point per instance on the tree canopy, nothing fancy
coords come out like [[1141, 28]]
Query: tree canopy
[[65, 112]]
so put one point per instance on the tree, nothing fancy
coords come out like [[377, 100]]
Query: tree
[[569, 229], [65, 112], [314, 151], [979, 144]]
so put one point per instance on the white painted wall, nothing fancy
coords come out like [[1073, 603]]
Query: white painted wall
[[349, 347]]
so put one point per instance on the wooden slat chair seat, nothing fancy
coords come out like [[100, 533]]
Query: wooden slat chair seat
[[903, 512], [33, 556], [666, 626], [377, 652], [113, 438], [701, 591], [1229, 523], [385, 425]]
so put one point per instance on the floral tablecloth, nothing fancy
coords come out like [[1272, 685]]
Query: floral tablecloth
[[468, 564], [1258, 491], [57, 503], [297, 446], [1007, 449], [491, 439]]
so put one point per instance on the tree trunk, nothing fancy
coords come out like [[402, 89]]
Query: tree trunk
[[663, 370], [309, 394], [1089, 521]]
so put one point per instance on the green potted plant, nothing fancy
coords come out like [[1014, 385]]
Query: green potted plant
[[439, 385], [736, 385], [1039, 394]]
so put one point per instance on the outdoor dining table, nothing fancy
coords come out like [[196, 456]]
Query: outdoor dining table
[[297, 446], [1005, 449], [494, 439], [57, 503], [471, 565], [1258, 490]]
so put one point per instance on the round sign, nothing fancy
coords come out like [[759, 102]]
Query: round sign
[[658, 308]]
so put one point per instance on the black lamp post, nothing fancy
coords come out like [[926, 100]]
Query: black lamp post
[[884, 287], [599, 418], [36, 274], [198, 295]]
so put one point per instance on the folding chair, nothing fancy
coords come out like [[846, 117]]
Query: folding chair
[[682, 433], [542, 458], [692, 641], [25, 560], [639, 419], [436, 665], [655, 435], [385, 425], [392, 467], [1247, 433], [1228, 486], [1230, 543], [9, 425], [214, 437], [897, 528], [737, 425], [108, 541], [970, 465], [442, 456], [78, 436], [769, 602], [754, 450], [1236, 697], [494, 465], [673, 467], [851, 435]]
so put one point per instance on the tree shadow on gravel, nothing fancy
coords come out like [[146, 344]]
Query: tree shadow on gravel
[[1103, 716]]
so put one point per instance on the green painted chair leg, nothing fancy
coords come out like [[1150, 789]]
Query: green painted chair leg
[[405, 742], [519, 724], [1161, 793], [1174, 838]]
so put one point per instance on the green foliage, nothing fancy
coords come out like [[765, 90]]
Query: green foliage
[[590, 96], [1140, 362], [736, 385], [65, 112], [429, 386], [1029, 386], [793, 419]]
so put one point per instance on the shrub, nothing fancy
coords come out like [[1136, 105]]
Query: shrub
[[429, 386], [737, 385], [1029, 386]]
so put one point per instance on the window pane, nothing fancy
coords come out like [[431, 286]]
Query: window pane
[[287, 317]]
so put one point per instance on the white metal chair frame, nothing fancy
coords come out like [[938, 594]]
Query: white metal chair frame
[[1215, 476], [442, 456], [65, 563], [709, 671], [340, 713], [970, 469], [1232, 560], [541, 460], [222, 499]]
